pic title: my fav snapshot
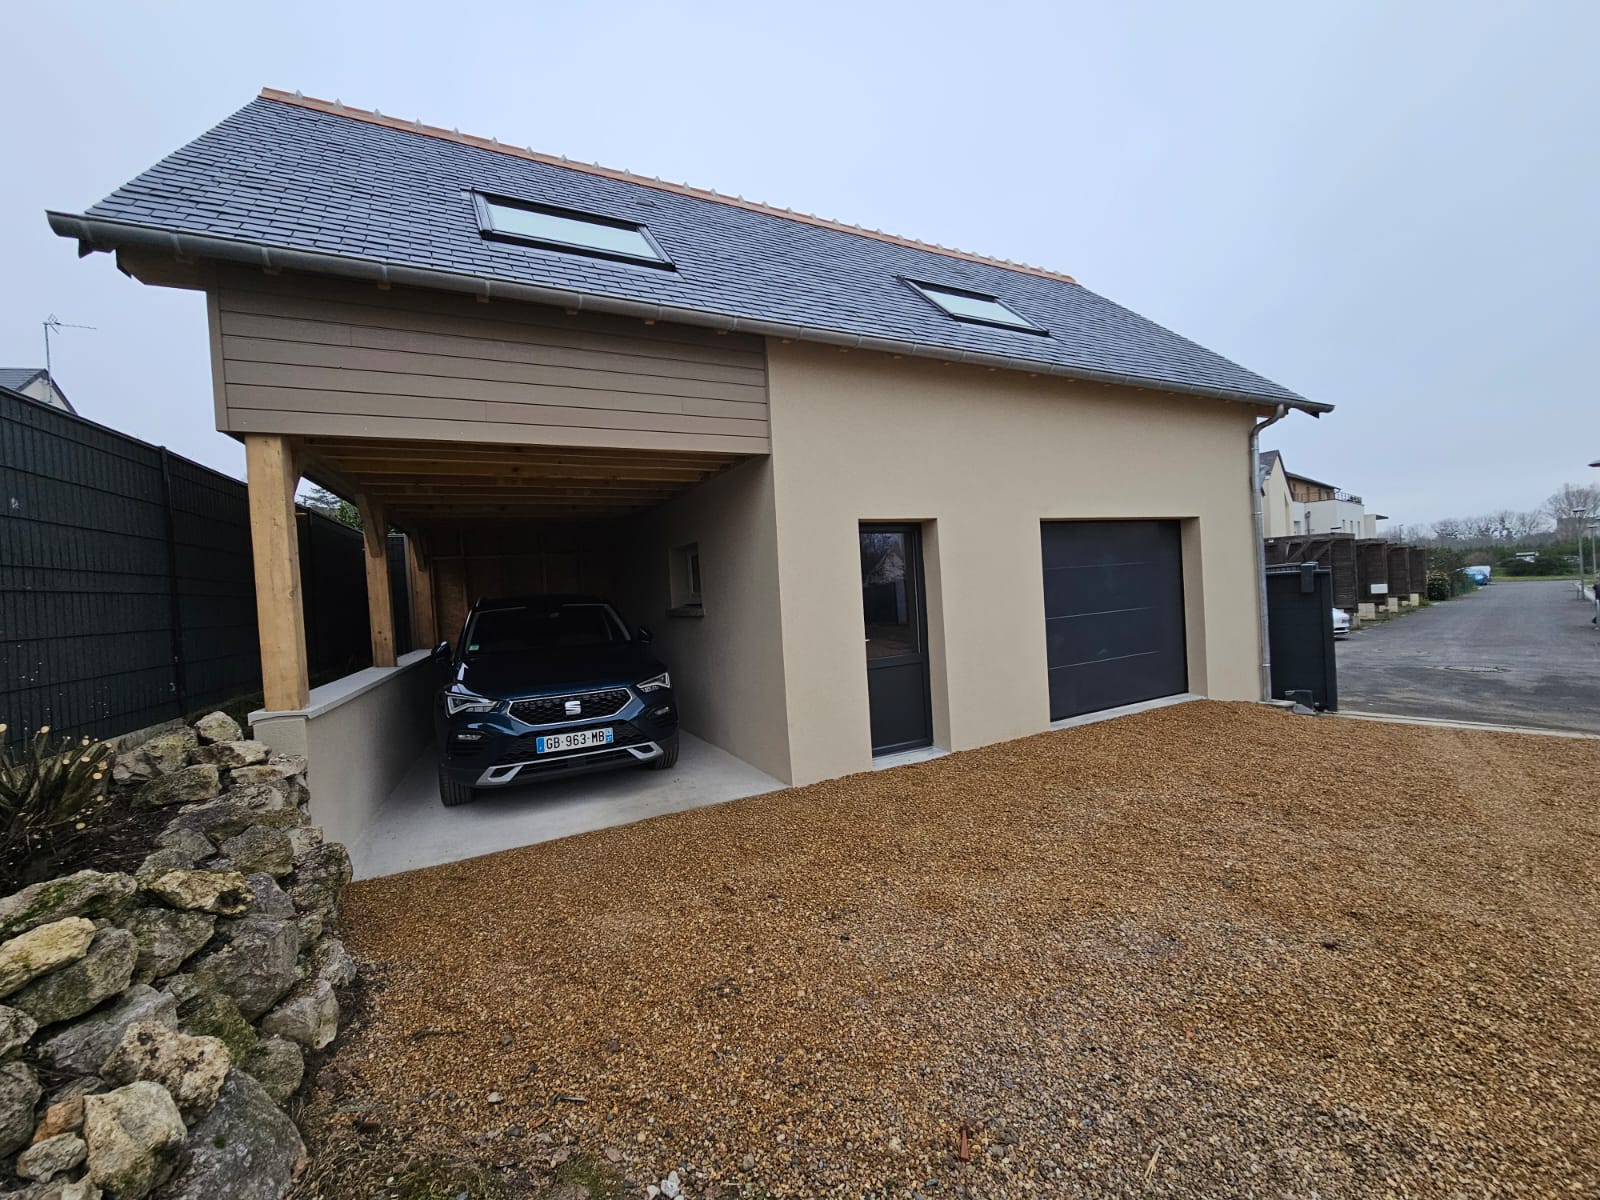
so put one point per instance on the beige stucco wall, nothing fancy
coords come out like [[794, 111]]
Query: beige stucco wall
[[982, 457], [728, 666]]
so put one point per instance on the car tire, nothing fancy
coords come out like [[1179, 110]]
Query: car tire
[[452, 793], [668, 758]]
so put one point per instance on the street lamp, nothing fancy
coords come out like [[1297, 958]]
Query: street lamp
[[1577, 523]]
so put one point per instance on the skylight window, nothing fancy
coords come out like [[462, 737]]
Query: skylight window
[[562, 229], [974, 307]]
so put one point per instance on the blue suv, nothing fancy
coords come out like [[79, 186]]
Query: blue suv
[[549, 685]]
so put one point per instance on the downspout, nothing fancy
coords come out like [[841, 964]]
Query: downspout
[[1278, 414]]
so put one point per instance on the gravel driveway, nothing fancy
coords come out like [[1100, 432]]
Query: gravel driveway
[[1212, 950]]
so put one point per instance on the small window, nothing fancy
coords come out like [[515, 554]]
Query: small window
[[560, 229], [685, 582], [974, 307]]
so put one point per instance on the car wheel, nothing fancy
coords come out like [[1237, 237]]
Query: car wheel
[[452, 793], [668, 757]]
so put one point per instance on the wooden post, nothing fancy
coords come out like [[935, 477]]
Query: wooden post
[[275, 546], [380, 616], [424, 624]]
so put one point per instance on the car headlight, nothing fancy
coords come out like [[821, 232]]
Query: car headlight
[[460, 702], [656, 682]]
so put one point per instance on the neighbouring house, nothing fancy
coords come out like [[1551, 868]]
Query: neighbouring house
[[35, 383], [870, 494], [1297, 504], [1279, 515]]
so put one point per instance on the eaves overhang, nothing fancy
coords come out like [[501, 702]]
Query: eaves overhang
[[102, 234]]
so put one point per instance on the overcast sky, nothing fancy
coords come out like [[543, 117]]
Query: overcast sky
[[1388, 206]]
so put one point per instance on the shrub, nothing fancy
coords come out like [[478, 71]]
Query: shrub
[[48, 790], [1542, 564]]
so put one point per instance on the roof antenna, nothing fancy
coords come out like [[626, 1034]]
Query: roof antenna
[[54, 324]]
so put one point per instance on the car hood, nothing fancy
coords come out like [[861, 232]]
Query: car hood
[[500, 676]]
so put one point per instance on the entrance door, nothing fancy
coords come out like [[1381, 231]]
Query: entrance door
[[897, 637], [1113, 613]]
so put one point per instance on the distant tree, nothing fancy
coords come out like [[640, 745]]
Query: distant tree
[[1568, 497], [325, 502]]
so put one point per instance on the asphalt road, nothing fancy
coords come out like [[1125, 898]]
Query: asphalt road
[[1510, 653]]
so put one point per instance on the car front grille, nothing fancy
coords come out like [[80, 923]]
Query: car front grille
[[525, 748], [552, 710]]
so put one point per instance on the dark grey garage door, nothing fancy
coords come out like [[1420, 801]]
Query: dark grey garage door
[[1113, 613]]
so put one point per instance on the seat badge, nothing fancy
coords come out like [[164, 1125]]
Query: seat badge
[[574, 708]]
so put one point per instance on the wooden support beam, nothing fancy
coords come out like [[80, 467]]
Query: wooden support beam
[[275, 547], [380, 615], [424, 623]]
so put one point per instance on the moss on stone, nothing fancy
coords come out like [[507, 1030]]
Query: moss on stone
[[211, 1014]]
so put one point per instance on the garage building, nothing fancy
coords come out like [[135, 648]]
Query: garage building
[[870, 495]]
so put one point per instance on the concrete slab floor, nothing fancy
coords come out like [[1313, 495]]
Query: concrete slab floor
[[412, 829]]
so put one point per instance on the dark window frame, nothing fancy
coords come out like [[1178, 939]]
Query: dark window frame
[[486, 227], [925, 290]]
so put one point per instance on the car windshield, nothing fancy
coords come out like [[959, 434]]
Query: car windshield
[[543, 627]]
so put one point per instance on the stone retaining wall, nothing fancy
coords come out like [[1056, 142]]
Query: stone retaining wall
[[152, 1024]]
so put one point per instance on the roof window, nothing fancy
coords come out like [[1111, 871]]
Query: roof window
[[563, 229], [973, 306]]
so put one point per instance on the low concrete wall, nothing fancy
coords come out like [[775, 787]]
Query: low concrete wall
[[360, 735]]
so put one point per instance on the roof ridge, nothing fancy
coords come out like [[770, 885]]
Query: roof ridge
[[374, 117]]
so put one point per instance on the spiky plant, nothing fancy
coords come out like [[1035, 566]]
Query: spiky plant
[[48, 790]]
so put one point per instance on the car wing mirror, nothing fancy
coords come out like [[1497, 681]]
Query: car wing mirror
[[441, 652], [645, 636]]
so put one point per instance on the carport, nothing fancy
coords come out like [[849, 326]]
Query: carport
[[485, 519]]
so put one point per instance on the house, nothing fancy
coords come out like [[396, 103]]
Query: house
[[869, 494], [1279, 515], [35, 383], [1297, 504]]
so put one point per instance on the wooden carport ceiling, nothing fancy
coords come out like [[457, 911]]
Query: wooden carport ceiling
[[431, 482]]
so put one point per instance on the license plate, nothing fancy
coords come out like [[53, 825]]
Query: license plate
[[582, 739]]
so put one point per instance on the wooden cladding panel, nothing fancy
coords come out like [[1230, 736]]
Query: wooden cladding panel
[[312, 357]]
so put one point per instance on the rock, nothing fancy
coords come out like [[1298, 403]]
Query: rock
[[135, 1137], [191, 1067], [267, 898], [309, 1015], [311, 926], [132, 766], [81, 1047], [64, 1116], [218, 727], [46, 1159], [234, 753], [190, 842], [19, 1092], [304, 838], [224, 892], [207, 1012], [278, 1066], [16, 1027], [167, 937], [62, 1189], [41, 950], [244, 1149], [170, 751], [159, 862], [72, 991], [290, 766], [262, 799], [214, 821], [332, 962], [259, 777], [189, 785], [319, 877], [91, 894], [260, 849], [256, 966]]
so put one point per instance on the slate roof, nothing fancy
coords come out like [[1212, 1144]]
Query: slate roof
[[302, 184], [17, 378], [1267, 460]]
